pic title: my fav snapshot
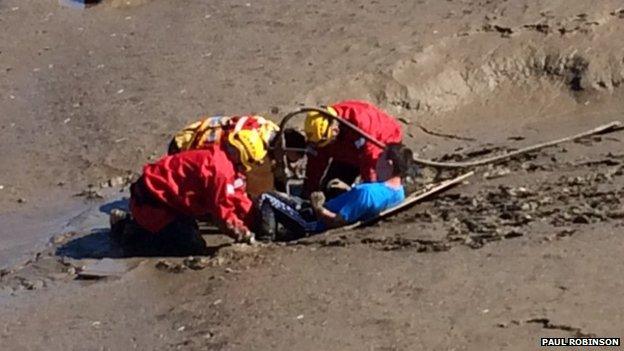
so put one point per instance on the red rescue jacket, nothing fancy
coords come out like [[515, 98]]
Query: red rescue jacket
[[352, 148], [196, 183]]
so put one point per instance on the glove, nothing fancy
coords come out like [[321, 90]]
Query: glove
[[248, 238], [317, 200], [241, 234]]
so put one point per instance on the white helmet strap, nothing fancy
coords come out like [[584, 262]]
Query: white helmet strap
[[239, 125]]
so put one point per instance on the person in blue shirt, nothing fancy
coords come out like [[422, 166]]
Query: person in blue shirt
[[362, 202]]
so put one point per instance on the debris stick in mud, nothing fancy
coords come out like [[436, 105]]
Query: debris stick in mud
[[610, 127]]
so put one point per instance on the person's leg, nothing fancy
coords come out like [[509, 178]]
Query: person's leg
[[118, 220], [136, 232], [266, 224], [180, 238], [124, 229], [133, 239], [276, 209]]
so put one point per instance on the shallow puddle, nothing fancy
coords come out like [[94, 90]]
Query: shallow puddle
[[23, 233]]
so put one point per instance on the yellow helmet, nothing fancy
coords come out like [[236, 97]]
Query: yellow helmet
[[250, 146], [318, 127], [267, 131]]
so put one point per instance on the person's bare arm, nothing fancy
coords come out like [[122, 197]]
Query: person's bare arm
[[329, 218]]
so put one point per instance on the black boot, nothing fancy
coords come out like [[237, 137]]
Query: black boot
[[118, 220]]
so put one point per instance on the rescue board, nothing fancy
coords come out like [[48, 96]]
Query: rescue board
[[409, 201]]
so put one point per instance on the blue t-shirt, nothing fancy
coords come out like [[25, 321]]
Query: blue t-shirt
[[365, 201]]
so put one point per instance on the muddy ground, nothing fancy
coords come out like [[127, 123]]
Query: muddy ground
[[523, 250]]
